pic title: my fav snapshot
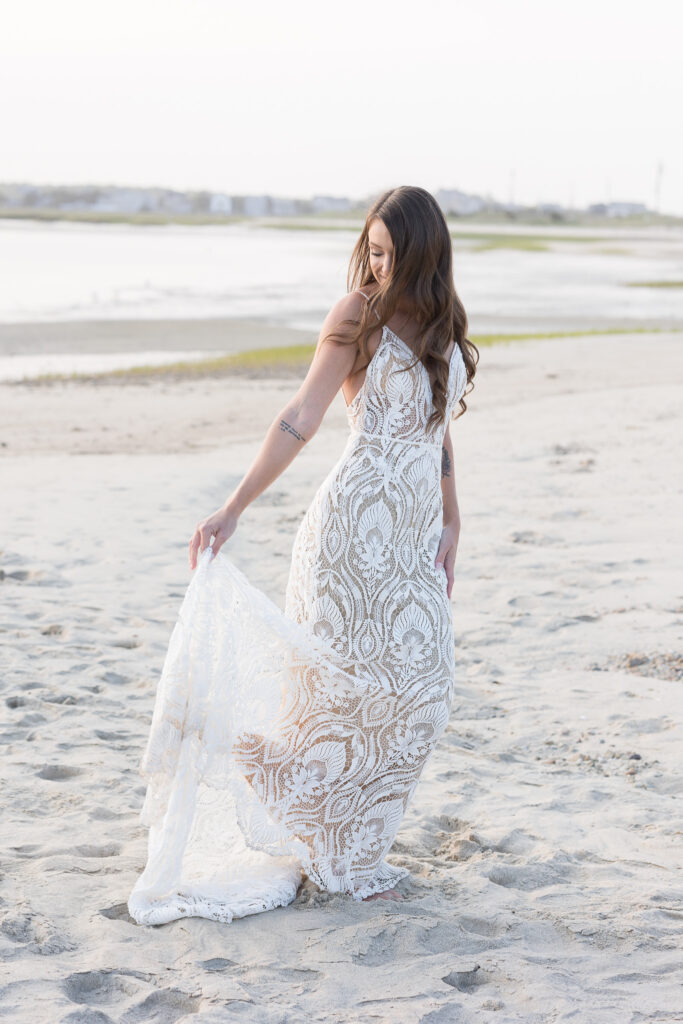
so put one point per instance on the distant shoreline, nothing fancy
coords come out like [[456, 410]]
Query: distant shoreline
[[335, 221]]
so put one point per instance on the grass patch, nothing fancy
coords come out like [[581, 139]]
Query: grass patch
[[354, 225], [521, 244], [654, 284], [260, 361], [285, 361], [498, 339], [529, 243]]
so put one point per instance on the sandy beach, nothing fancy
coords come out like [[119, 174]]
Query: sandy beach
[[544, 839]]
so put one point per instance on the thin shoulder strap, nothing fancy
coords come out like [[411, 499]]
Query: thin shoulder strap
[[367, 297]]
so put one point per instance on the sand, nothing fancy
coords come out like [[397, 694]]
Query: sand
[[544, 839]]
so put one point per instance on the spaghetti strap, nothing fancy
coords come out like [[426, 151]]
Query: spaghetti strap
[[367, 297]]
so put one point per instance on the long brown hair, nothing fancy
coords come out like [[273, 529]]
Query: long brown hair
[[422, 272]]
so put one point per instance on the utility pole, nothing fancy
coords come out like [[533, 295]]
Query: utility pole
[[511, 195], [658, 184]]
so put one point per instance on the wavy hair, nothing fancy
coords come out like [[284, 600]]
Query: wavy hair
[[422, 274]]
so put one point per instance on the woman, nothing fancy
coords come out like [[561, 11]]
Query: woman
[[283, 743]]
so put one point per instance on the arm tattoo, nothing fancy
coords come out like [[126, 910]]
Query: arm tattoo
[[445, 462], [289, 429]]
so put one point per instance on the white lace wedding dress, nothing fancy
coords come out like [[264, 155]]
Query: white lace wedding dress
[[283, 743]]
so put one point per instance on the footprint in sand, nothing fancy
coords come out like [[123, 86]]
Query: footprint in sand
[[466, 981], [60, 698], [19, 575], [217, 963], [25, 850], [59, 772], [516, 842], [457, 841], [480, 926], [528, 877], [168, 1006], [99, 987], [15, 702], [112, 737], [115, 678], [118, 912], [33, 933], [105, 814], [90, 850], [87, 1017], [457, 849]]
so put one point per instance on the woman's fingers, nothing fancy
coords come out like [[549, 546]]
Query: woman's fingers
[[218, 542], [194, 545], [221, 525], [200, 541], [206, 532], [450, 569]]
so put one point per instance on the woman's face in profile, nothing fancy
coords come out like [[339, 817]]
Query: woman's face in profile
[[381, 250]]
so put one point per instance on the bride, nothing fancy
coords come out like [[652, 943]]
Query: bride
[[284, 744]]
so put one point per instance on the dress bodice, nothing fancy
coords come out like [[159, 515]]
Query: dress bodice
[[395, 403]]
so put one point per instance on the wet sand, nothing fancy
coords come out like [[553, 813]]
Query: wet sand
[[213, 334]]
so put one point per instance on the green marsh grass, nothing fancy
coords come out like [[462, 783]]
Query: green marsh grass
[[654, 284], [289, 360]]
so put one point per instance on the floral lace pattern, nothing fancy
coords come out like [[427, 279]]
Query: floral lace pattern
[[283, 743]]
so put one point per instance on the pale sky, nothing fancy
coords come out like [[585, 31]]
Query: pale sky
[[530, 100]]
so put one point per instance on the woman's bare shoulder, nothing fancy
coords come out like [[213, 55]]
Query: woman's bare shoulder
[[369, 289], [348, 308]]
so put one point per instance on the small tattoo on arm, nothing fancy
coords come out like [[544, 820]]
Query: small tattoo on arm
[[445, 462], [289, 429]]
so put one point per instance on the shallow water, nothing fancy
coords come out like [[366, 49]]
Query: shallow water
[[64, 271]]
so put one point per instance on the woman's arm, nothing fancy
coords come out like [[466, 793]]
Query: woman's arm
[[292, 428], [448, 544]]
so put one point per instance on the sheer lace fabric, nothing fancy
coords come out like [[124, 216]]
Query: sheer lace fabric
[[290, 743]]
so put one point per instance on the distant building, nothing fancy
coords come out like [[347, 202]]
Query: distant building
[[459, 203], [617, 209], [284, 207], [175, 202], [333, 204], [220, 203], [256, 206], [115, 200]]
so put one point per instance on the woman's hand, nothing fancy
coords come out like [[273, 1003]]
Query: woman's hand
[[221, 525], [448, 545]]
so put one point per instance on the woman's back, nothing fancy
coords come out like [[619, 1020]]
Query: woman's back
[[395, 399]]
